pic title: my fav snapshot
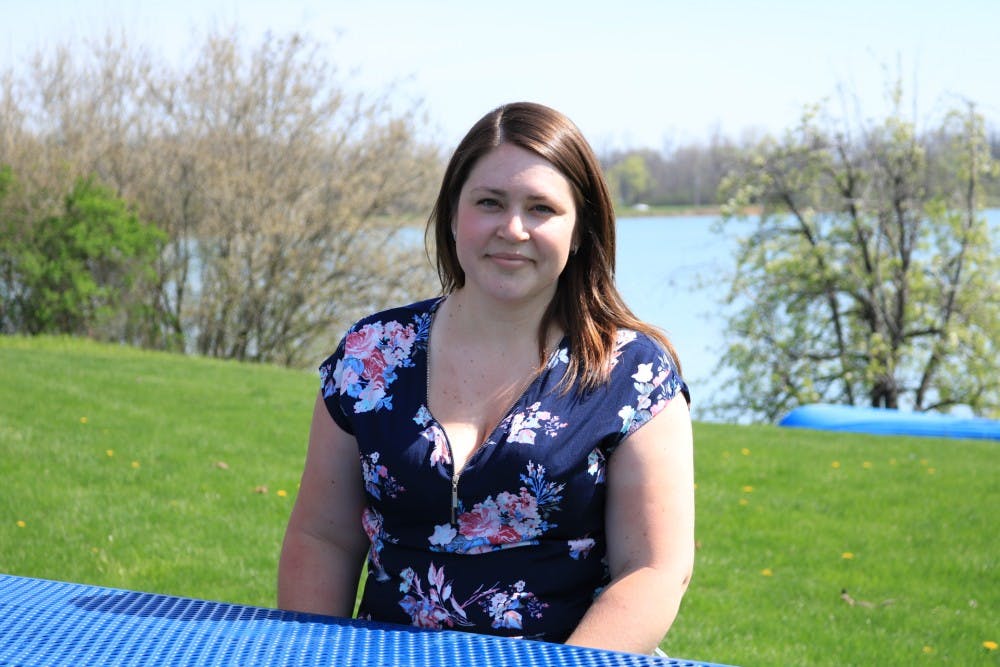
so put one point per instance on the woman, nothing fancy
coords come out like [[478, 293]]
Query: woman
[[525, 441]]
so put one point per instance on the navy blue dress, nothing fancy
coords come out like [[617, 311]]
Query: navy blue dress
[[515, 544]]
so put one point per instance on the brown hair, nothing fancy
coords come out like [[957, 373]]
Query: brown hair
[[586, 305]]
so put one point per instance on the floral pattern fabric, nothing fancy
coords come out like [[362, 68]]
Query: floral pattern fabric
[[515, 544]]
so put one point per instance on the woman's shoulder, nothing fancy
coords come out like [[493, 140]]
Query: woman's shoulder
[[638, 345], [415, 312], [641, 359]]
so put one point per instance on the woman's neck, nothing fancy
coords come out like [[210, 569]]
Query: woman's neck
[[511, 328]]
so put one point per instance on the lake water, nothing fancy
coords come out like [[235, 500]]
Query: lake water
[[671, 272]]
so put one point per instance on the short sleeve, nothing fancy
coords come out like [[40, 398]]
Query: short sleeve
[[330, 373], [645, 378]]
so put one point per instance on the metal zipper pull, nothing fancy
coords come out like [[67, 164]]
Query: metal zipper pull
[[454, 497]]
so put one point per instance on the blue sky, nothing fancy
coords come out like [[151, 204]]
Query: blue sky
[[630, 73]]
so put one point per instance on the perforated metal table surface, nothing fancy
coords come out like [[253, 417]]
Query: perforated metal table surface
[[55, 623]]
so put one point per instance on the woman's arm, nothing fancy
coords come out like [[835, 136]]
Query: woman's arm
[[650, 532], [325, 545]]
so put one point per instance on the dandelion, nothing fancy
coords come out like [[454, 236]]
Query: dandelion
[[990, 646], [744, 502], [847, 555], [745, 452], [928, 649], [282, 493], [835, 465], [21, 524], [110, 452], [135, 465], [931, 471], [767, 572], [83, 420], [867, 465], [748, 489]]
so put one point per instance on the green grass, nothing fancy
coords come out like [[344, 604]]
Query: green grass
[[110, 474]]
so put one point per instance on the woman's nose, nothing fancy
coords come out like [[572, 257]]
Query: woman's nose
[[513, 227]]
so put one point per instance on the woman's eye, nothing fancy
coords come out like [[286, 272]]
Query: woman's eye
[[545, 209], [488, 202]]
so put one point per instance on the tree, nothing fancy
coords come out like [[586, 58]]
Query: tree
[[869, 277], [78, 272], [288, 201], [630, 179]]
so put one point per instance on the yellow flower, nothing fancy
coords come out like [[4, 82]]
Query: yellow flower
[[931, 471], [745, 452], [21, 524], [847, 555], [928, 649], [990, 646], [835, 464], [767, 572], [867, 465], [135, 464], [83, 420], [110, 452], [744, 501], [748, 489], [282, 493]]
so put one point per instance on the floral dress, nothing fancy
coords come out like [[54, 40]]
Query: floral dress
[[515, 544]]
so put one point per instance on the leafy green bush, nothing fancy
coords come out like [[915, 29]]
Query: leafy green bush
[[79, 271]]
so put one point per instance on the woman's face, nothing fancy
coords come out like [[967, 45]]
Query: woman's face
[[514, 227]]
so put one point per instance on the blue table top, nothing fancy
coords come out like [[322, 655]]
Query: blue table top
[[55, 623]]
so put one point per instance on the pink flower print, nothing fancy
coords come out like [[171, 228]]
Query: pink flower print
[[506, 608], [443, 535], [375, 365], [436, 607], [644, 374], [523, 426], [645, 384], [505, 534], [524, 436], [596, 464], [372, 523], [370, 396], [377, 478], [344, 376], [362, 342], [622, 338], [482, 521], [580, 548], [372, 355], [440, 453], [423, 416]]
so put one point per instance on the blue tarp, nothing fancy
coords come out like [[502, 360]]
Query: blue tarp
[[827, 417]]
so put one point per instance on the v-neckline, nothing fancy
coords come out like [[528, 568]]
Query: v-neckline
[[488, 438]]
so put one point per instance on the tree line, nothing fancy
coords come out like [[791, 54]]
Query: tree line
[[254, 207], [691, 175], [248, 206]]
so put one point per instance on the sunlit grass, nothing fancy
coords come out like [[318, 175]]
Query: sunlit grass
[[170, 474]]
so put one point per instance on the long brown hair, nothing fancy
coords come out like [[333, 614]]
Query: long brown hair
[[586, 305]]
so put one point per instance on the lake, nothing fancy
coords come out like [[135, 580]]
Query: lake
[[671, 272]]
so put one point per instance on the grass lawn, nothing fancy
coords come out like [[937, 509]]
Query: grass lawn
[[169, 474]]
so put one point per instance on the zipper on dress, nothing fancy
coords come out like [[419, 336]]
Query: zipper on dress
[[454, 496]]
